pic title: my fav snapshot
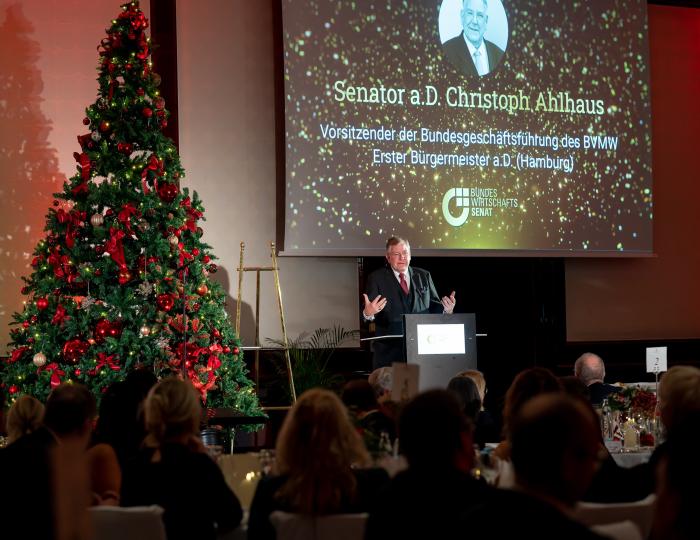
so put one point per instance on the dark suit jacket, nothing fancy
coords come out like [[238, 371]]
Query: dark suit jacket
[[422, 298], [426, 504], [600, 391], [457, 52]]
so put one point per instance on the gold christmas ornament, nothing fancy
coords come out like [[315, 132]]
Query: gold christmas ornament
[[96, 220], [39, 359]]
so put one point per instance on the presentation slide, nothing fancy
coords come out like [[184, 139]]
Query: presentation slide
[[467, 126]]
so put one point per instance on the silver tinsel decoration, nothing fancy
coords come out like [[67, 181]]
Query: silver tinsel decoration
[[87, 302], [162, 342], [145, 288]]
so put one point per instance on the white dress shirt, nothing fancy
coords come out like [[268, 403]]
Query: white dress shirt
[[481, 61]]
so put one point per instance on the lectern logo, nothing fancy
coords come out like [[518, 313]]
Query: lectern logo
[[461, 197]]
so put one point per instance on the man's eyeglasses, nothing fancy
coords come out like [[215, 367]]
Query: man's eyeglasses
[[480, 17], [399, 255]]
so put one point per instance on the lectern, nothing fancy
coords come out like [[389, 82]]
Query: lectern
[[442, 346]]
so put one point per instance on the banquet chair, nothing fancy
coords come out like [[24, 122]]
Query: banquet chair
[[638, 512], [134, 523], [623, 530], [290, 526]]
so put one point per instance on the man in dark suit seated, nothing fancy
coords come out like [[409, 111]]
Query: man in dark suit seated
[[426, 500], [395, 290], [469, 52], [590, 369], [555, 449]]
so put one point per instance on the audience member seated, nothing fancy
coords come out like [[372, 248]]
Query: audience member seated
[[611, 483], [374, 425], [381, 380], [527, 384], [590, 369], [679, 400], [678, 477], [24, 417], [110, 433], [174, 471], [319, 459], [555, 449], [29, 498], [486, 428], [425, 500]]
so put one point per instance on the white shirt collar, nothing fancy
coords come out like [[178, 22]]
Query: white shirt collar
[[472, 49], [396, 275]]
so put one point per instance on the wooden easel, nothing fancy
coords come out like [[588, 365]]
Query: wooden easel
[[257, 347]]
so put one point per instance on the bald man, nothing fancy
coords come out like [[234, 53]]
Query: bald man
[[590, 369]]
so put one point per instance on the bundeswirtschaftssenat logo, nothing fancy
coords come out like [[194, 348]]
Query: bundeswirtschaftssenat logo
[[461, 197], [474, 202]]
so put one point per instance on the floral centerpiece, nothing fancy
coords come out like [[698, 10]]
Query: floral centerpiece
[[638, 404]]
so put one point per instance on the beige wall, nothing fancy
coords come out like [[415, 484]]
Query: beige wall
[[227, 144], [48, 61]]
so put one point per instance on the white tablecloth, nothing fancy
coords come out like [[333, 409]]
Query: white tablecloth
[[631, 459]]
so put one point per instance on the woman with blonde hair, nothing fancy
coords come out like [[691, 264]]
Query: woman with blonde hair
[[319, 466], [174, 471], [25, 416]]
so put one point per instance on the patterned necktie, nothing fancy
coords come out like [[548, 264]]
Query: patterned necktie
[[477, 62], [403, 283]]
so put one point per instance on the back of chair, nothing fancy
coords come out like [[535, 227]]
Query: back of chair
[[638, 512], [335, 527], [132, 523], [624, 530]]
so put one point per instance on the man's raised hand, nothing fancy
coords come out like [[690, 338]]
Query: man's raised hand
[[375, 306], [448, 302]]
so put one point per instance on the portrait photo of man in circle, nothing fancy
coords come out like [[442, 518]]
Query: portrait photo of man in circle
[[470, 52]]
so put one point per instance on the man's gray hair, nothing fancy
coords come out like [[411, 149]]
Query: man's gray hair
[[589, 367], [381, 380], [486, 4]]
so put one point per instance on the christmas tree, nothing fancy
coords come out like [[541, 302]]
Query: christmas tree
[[120, 281]]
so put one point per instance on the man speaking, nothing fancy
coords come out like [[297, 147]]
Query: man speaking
[[469, 52], [394, 291]]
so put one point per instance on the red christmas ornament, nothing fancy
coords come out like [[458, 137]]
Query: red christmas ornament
[[125, 148], [202, 289], [147, 112], [74, 349], [99, 250], [13, 389], [124, 276], [159, 103], [42, 304], [78, 372], [115, 329], [215, 332], [102, 330], [34, 319], [140, 91], [104, 126], [167, 192], [165, 301], [206, 259], [86, 121], [213, 268], [236, 350], [25, 324], [164, 123], [195, 251], [24, 290], [227, 350]]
